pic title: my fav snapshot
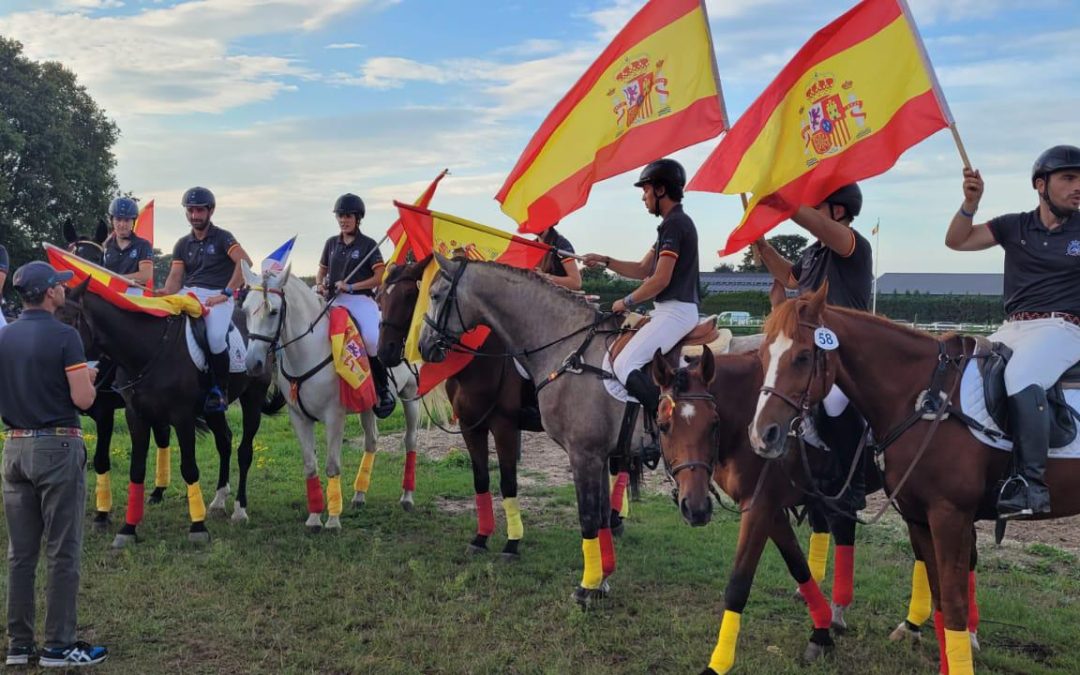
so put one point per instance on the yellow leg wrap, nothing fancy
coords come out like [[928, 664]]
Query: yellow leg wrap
[[195, 504], [958, 651], [723, 657], [624, 511], [363, 476], [919, 609], [333, 495], [819, 554], [163, 470], [594, 572], [514, 528], [103, 493]]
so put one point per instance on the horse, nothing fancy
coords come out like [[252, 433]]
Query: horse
[[703, 419], [161, 385], [288, 323], [906, 388], [486, 398]]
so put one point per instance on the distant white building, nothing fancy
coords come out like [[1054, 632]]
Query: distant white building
[[928, 283]]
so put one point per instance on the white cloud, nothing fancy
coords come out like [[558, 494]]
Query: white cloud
[[344, 45]]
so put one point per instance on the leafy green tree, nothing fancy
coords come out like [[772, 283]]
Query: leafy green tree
[[787, 245], [724, 267]]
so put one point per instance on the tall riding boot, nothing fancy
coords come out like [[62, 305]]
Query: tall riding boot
[[1025, 492], [529, 412], [641, 386], [385, 406], [217, 399]]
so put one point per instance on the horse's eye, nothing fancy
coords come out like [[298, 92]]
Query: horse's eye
[[273, 312], [664, 427], [802, 358]]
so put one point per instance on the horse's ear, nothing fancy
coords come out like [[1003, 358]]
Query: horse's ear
[[70, 236], [816, 304], [285, 276], [777, 294], [102, 231], [445, 264], [250, 278], [707, 366], [661, 370], [78, 291]]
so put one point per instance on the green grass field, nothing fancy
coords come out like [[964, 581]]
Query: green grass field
[[394, 592]]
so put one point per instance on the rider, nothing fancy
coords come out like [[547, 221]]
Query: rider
[[1042, 309], [126, 253], [558, 269], [670, 273], [206, 262], [351, 268]]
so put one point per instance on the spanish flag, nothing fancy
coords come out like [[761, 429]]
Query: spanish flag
[[654, 90], [431, 231], [397, 230], [144, 224], [855, 97]]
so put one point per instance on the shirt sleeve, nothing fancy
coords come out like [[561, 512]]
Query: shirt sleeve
[[228, 241], [71, 348], [566, 247], [4, 263], [376, 257], [670, 243], [178, 253], [146, 252], [324, 259], [999, 227]]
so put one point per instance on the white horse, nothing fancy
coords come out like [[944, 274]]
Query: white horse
[[287, 327]]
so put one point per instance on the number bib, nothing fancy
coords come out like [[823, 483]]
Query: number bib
[[826, 339]]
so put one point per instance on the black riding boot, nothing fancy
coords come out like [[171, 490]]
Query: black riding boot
[[385, 406], [217, 398], [1025, 492], [641, 386]]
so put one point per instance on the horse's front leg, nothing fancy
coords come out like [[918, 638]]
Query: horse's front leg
[[842, 524], [305, 433], [251, 406], [102, 415], [163, 465], [411, 406], [594, 510], [335, 432], [820, 612], [219, 426], [362, 483], [476, 441], [952, 532], [508, 448], [140, 446], [189, 469]]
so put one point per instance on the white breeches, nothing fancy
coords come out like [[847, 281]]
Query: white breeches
[[1043, 349], [218, 318], [668, 323]]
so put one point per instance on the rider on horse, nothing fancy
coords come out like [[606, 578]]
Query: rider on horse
[[351, 267], [207, 264], [559, 270], [1042, 306], [670, 272], [126, 253]]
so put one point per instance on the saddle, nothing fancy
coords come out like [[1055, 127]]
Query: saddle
[[705, 333], [994, 356], [199, 345]]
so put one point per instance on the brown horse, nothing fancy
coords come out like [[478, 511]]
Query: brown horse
[[939, 476]]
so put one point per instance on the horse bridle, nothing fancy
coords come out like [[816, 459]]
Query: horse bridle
[[271, 341], [447, 340], [803, 405], [673, 471]]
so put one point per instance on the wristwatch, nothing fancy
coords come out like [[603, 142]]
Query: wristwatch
[[227, 292]]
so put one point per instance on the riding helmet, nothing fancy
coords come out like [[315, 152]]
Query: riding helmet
[[666, 172], [198, 196], [124, 208], [850, 197], [349, 203], [1057, 158]]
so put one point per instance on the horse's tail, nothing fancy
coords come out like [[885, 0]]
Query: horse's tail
[[274, 401]]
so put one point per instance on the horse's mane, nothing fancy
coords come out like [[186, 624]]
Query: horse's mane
[[785, 319], [302, 294], [540, 282]]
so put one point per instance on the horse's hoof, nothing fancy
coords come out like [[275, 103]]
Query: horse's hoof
[[314, 523], [157, 496], [202, 537], [839, 626], [333, 524], [406, 502], [709, 671], [359, 499], [509, 556], [820, 644], [905, 632], [239, 516], [813, 652], [124, 540], [314, 529], [102, 522], [975, 642], [473, 549], [586, 596]]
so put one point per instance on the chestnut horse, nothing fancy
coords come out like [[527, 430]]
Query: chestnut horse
[[935, 471]]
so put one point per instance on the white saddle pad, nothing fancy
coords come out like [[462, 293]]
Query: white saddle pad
[[973, 404], [616, 389], [237, 349]]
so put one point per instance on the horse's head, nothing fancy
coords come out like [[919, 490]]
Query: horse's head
[[264, 313], [688, 421], [798, 355], [447, 318], [88, 248], [397, 301], [71, 313]]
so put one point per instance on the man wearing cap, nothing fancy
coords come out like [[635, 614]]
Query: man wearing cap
[[44, 379], [207, 263], [1042, 307]]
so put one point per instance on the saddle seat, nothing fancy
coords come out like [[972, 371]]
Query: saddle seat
[[994, 356], [704, 333]]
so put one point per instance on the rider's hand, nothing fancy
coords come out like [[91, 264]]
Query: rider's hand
[[594, 259], [973, 190], [216, 300], [93, 373], [618, 306], [341, 287], [321, 290]]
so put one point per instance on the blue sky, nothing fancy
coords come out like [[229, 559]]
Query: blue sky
[[279, 106]]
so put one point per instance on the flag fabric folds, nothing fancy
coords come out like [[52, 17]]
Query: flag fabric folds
[[854, 98], [652, 91], [275, 262], [397, 230], [357, 387], [144, 227]]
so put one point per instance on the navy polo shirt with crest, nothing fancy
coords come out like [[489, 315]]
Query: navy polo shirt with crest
[[206, 261], [553, 263], [36, 354], [677, 237], [1042, 266], [340, 259], [126, 260], [851, 277]]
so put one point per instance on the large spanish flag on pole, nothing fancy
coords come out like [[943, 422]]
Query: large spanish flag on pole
[[144, 227], [654, 90], [855, 97], [397, 230]]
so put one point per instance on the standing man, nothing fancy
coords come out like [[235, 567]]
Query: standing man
[[207, 263], [126, 253], [44, 378], [1042, 308]]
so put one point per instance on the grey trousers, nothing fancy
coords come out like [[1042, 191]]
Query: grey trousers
[[44, 483]]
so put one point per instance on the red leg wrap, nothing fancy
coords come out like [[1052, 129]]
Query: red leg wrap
[[134, 504], [485, 515], [618, 490], [408, 481], [939, 630], [607, 552], [315, 502], [843, 575], [973, 605], [820, 612]]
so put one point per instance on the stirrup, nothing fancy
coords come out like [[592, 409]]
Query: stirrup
[[215, 400]]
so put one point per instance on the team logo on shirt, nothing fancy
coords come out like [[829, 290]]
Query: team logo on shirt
[[133, 254], [355, 255], [210, 249], [1074, 248], [832, 117]]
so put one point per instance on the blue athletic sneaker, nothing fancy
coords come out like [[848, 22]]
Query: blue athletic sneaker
[[75, 656], [21, 656]]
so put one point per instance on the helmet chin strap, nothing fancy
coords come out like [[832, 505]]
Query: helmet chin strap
[[1062, 214]]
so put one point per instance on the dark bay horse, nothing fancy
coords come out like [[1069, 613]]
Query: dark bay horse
[[160, 385], [940, 477]]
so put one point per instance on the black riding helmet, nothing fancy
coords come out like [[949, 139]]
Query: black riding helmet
[[850, 197], [667, 173], [1057, 158], [198, 196], [349, 203]]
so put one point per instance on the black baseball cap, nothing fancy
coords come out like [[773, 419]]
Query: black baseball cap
[[34, 278]]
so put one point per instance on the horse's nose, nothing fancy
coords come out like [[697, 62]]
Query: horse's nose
[[696, 515], [771, 436]]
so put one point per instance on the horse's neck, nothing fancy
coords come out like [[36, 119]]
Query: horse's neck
[[883, 368], [129, 339], [735, 387], [303, 354]]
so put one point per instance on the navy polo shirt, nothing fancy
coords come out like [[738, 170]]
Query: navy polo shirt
[[340, 259], [553, 263], [851, 278], [677, 237], [36, 353], [126, 260], [206, 261], [1042, 266]]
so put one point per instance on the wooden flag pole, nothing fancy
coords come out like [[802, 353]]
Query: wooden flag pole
[[960, 146]]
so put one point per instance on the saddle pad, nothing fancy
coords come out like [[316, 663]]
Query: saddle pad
[[237, 349], [973, 404], [616, 389]]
